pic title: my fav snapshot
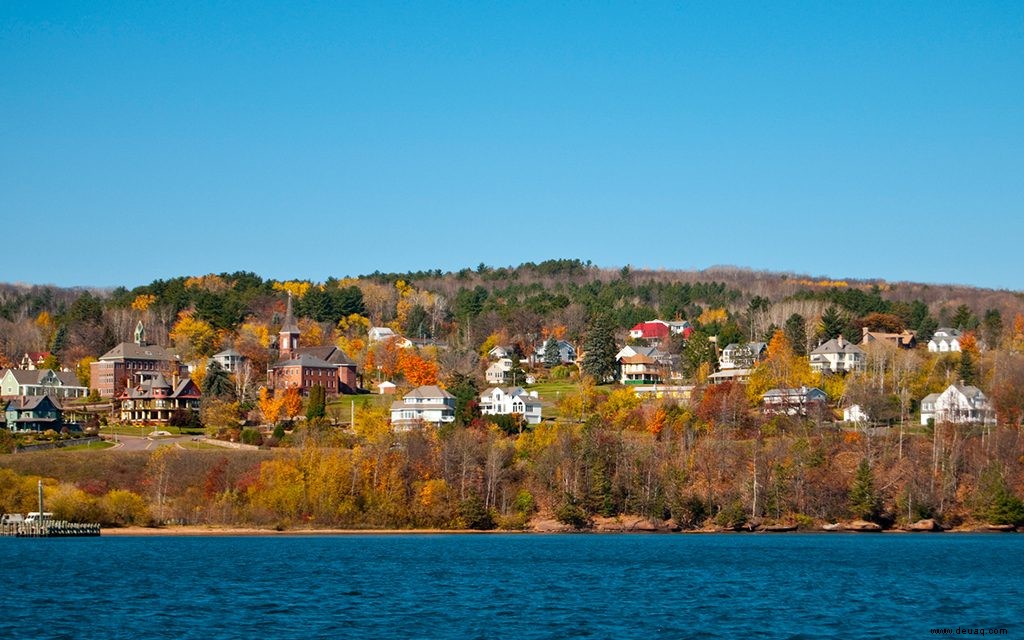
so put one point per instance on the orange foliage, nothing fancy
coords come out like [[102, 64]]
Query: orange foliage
[[270, 406], [417, 371], [969, 344], [291, 403], [657, 421]]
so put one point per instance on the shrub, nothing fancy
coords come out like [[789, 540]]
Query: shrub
[[251, 436], [474, 515], [571, 513]]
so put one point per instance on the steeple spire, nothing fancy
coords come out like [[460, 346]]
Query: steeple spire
[[288, 338]]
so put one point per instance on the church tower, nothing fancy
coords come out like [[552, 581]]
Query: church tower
[[140, 334], [288, 338]]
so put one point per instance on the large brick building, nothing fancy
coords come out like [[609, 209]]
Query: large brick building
[[119, 367], [306, 367]]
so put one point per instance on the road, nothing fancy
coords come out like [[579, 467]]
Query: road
[[144, 443]]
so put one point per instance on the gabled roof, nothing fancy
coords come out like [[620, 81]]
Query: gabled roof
[[835, 346], [305, 360], [227, 353], [185, 389], [330, 354], [132, 351], [428, 392], [652, 329], [30, 403], [793, 394]]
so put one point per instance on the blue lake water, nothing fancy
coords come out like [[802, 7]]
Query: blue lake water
[[512, 586]]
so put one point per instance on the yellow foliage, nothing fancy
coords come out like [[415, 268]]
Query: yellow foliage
[[256, 332], [710, 316], [824, 283], [199, 373], [311, 334], [618, 409], [297, 288], [193, 337], [280, 488], [46, 325], [211, 282], [834, 387], [143, 302], [354, 325]]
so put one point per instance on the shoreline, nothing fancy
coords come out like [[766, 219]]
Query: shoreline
[[217, 531]]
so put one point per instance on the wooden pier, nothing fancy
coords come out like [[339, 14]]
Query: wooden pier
[[49, 529]]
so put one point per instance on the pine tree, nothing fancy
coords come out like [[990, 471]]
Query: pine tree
[[552, 354], [864, 500], [317, 405], [599, 350], [217, 383], [833, 324], [796, 330]]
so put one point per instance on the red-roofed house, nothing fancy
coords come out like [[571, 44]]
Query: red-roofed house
[[653, 331]]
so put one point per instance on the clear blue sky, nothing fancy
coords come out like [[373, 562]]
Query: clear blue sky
[[313, 139]]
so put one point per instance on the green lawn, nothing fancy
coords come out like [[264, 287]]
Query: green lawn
[[89, 446], [341, 408]]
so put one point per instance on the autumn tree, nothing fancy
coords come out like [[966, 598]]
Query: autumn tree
[[291, 404], [193, 338], [782, 368], [270, 405], [417, 370]]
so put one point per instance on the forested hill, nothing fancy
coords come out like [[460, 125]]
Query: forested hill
[[465, 307]]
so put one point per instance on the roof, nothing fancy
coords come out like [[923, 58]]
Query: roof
[[132, 351], [329, 354], [227, 353], [802, 392], [652, 329], [305, 360], [289, 325], [730, 373], [428, 392], [30, 403], [184, 388], [834, 346]]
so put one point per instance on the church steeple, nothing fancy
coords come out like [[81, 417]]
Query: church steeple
[[288, 337]]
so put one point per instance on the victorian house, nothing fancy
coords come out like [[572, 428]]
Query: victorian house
[[153, 400]]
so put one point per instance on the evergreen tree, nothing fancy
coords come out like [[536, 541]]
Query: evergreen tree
[[864, 499], [599, 350], [467, 393], [217, 383], [796, 331], [317, 405], [833, 324], [698, 350], [552, 355], [992, 328], [967, 370]]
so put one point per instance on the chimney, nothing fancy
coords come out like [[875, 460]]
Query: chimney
[[840, 341]]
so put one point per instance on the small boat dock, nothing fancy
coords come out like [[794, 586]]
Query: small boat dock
[[49, 529]]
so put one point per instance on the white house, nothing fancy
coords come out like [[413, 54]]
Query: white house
[[500, 371], [423, 405], [944, 340], [855, 413], [380, 334], [838, 356], [959, 404], [229, 359], [40, 382], [792, 402], [566, 352], [742, 356], [511, 400]]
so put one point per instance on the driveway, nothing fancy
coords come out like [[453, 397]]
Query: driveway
[[145, 443]]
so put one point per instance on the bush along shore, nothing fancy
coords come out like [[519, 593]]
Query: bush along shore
[[657, 467]]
